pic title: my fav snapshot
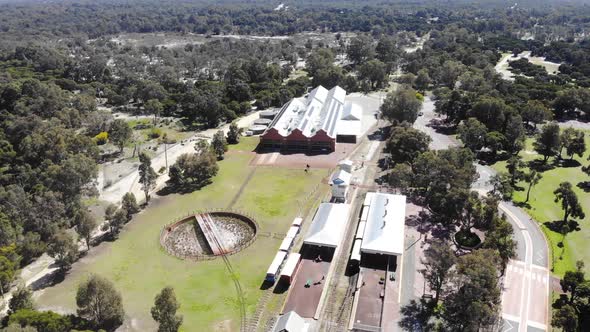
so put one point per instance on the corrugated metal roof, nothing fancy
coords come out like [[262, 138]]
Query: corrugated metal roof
[[328, 225], [322, 109], [384, 232]]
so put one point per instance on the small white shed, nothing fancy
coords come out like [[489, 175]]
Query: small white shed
[[340, 183]]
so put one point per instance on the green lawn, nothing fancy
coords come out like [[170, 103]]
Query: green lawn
[[140, 268], [543, 209]]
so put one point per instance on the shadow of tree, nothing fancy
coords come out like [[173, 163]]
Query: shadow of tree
[[417, 316], [522, 205], [560, 301], [540, 166], [49, 280], [182, 189], [584, 185], [558, 226]]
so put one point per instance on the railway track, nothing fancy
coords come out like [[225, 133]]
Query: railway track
[[336, 312], [207, 222]]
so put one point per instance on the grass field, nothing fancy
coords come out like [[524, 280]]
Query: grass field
[[544, 209], [140, 268]]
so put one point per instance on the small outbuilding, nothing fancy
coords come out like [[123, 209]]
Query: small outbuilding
[[346, 165], [340, 182], [291, 322]]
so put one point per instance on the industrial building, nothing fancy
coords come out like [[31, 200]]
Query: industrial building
[[384, 230], [378, 249], [314, 123]]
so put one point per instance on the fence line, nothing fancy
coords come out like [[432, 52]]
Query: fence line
[[167, 229]]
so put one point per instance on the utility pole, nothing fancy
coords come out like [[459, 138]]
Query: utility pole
[[165, 139], [166, 154]]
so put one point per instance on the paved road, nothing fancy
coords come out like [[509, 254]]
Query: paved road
[[525, 293]]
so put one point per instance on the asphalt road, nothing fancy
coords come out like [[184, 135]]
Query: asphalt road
[[525, 293]]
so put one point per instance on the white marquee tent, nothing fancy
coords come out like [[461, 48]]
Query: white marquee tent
[[328, 225]]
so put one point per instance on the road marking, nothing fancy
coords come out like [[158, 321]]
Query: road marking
[[512, 216], [537, 325], [274, 157], [510, 327], [528, 269]]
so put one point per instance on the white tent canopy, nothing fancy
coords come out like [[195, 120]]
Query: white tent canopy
[[328, 225], [290, 322], [384, 232]]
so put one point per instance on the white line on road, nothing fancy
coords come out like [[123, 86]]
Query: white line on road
[[537, 325]]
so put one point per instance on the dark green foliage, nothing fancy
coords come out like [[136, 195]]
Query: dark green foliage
[[63, 249], [401, 106], [573, 141], [524, 67], [120, 133], [569, 201], [46, 321], [100, 303], [147, 175], [475, 303], [571, 308], [85, 225], [164, 311], [406, 143], [129, 204], [438, 260], [548, 141], [473, 134], [219, 144], [193, 169], [500, 238], [233, 135], [22, 298], [491, 112], [7, 273]]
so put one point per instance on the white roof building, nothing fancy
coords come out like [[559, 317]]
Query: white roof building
[[350, 120], [322, 109], [328, 225], [341, 178], [291, 322], [351, 111], [384, 231]]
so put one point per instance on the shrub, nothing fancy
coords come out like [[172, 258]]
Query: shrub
[[47, 321], [155, 133], [101, 138]]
